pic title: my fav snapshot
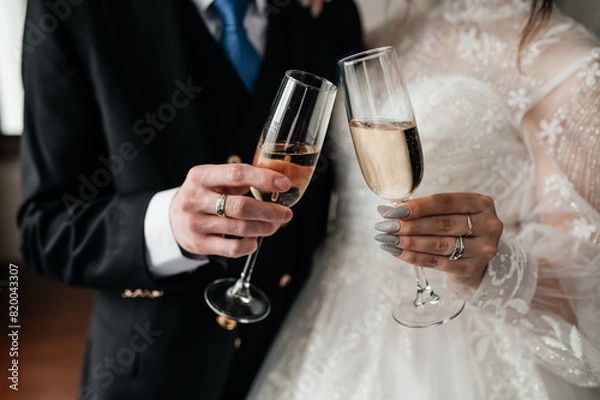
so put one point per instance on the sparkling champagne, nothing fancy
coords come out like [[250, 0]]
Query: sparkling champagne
[[296, 161], [390, 157]]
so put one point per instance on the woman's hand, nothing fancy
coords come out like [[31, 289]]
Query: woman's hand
[[426, 231]]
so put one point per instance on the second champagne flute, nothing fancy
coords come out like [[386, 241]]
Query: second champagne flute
[[290, 143], [388, 149]]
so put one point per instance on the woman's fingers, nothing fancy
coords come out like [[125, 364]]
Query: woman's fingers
[[457, 233], [464, 271], [432, 245], [443, 225], [467, 270], [443, 214], [443, 204]]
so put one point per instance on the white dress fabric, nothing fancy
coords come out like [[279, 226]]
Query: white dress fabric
[[530, 139]]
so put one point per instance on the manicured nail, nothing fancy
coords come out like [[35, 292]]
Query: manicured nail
[[381, 209], [388, 226], [283, 184], [391, 249], [387, 239], [399, 212]]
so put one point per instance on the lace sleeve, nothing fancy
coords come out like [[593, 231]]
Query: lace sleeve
[[545, 279], [565, 128], [509, 283]]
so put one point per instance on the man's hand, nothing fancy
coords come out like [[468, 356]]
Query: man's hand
[[198, 229]]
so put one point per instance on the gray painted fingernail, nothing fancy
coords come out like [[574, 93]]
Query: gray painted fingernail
[[391, 249], [381, 209], [388, 226], [399, 212], [387, 239]]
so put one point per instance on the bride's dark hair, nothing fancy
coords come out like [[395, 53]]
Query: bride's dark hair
[[538, 16]]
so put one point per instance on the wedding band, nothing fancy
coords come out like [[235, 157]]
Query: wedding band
[[221, 205], [459, 248], [470, 225]]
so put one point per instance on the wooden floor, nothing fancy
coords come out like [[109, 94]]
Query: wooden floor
[[53, 322]]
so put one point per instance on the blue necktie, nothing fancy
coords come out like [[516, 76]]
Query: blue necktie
[[235, 42]]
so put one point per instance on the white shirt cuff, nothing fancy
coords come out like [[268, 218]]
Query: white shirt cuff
[[164, 255]]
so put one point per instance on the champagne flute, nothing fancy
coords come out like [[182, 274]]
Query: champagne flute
[[290, 143], [388, 149]]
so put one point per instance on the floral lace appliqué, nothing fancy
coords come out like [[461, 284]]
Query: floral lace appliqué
[[505, 292], [581, 228], [559, 186], [550, 130], [519, 99], [468, 44], [590, 72]]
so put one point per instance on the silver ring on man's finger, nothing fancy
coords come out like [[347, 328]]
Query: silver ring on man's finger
[[459, 249], [220, 206]]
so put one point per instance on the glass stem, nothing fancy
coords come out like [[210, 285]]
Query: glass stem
[[425, 294], [241, 288]]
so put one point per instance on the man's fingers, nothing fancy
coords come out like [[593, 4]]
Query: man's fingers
[[233, 227], [219, 245], [247, 208], [239, 176]]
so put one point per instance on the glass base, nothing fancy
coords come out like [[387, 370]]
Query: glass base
[[244, 309], [444, 308]]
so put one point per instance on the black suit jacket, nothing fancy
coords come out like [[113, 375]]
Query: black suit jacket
[[122, 98]]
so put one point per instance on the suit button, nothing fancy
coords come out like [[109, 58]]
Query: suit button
[[237, 343], [234, 159], [226, 323], [284, 280], [144, 293]]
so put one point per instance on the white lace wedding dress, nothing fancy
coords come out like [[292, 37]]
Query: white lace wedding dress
[[531, 140]]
